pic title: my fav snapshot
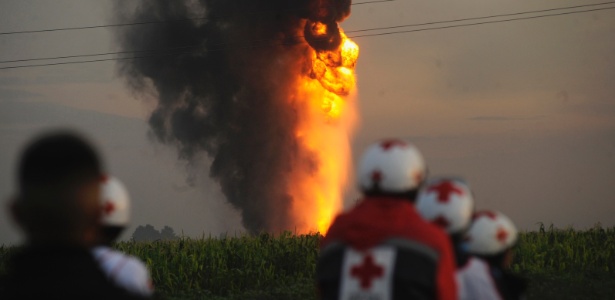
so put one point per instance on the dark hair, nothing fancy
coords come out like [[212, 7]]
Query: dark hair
[[58, 202], [55, 158]]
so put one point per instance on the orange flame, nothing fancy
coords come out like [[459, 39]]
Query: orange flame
[[320, 28], [324, 131]]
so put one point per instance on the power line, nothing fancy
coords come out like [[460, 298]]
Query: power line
[[486, 17], [350, 31], [90, 61], [146, 56], [355, 36], [156, 22], [480, 23], [370, 2], [202, 18], [144, 51], [91, 55]]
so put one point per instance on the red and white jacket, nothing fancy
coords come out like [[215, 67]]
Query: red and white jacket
[[383, 249]]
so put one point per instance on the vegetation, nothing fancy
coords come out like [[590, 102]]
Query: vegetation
[[148, 233], [231, 266], [560, 264], [568, 250], [567, 263]]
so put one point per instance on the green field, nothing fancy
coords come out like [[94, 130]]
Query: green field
[[560, 264]]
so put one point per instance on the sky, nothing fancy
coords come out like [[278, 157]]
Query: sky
[[523, 110]]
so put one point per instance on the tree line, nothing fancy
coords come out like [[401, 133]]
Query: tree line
[[148, 233]]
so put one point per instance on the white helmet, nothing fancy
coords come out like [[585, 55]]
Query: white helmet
[[447, 202], [491, 233], [115, 202], [391, 166]]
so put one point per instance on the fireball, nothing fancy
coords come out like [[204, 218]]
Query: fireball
[[325, 128]]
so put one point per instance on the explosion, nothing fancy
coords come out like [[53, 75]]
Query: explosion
[[264, 87], [324, 129]]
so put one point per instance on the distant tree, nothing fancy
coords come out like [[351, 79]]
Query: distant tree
[[148, 233], [167, 233], [145, 233]]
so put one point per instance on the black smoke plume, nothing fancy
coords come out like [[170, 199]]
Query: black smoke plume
[[223, 72]]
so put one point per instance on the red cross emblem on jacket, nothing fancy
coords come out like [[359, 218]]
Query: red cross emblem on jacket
[[367, 271]]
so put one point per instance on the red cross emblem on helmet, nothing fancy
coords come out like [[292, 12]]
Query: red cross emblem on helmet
[[108, 207], [389, 144], [376, 176], [445, 189], [501, 235]]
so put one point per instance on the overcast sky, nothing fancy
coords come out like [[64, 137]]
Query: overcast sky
[[524, 110]]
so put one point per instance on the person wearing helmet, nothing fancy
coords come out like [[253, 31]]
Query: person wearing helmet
[[492, 237], [57, 207], [382, 248], [448, 203], [125, 271]]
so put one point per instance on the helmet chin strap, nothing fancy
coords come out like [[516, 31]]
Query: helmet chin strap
[[407, 196]]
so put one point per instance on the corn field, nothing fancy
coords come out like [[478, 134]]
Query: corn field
[[566, 250], [229, 266], [282, 266]]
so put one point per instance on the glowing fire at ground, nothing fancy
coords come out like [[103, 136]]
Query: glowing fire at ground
[[325, 127]]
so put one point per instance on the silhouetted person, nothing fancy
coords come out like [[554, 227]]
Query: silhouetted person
[[448, 203], [58, 208], [382, 248], [124, 270], [492, 237]]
